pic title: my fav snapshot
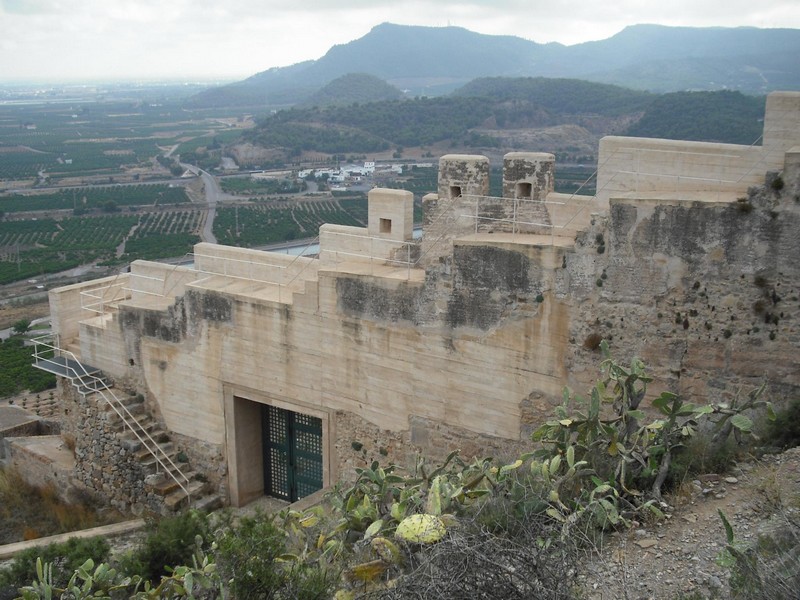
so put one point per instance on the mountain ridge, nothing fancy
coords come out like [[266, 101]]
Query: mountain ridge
[[437, 60]]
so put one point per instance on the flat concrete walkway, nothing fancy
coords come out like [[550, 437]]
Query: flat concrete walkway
[[9, 550], [13, 416]]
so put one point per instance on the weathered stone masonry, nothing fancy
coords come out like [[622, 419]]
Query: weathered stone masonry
[[472, 343]]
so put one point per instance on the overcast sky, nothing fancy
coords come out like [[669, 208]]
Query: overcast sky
[[82, 40]]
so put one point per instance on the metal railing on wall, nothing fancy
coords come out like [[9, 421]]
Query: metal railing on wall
[[48, 356]]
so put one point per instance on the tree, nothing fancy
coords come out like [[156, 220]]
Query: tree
[[22, 326]]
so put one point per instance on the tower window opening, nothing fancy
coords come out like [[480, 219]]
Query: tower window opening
[[385, 226], [524, 190]]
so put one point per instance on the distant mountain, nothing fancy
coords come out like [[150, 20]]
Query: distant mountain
[[436, 60], [354, 87], [428, 60], [666, 59]]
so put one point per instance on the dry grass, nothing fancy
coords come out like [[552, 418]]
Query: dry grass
[[29, 512]]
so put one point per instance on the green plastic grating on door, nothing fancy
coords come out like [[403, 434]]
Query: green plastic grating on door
[[292, 453]]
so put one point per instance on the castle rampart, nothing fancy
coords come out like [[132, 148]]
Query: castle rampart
[[467, 337]]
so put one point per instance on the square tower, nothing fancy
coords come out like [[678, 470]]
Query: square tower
[[391, 214]]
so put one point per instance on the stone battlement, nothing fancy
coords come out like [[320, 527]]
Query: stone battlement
[[687, 257]]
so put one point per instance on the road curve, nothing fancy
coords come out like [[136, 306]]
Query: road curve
[[213, 195]]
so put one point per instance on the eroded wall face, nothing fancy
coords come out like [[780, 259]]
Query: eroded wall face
[[464, 347], [706, 294]]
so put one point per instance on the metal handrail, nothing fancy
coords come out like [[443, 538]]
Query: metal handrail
[[100, 298], [100, 386], [315, 240]]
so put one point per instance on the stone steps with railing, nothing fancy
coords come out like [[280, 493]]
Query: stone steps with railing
[[132, 425], [175, 485]]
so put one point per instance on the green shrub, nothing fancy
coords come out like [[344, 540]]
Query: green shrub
[[777, 184], [700, 455], [767, 568], [170, 541], [784, 431], [248, 554], [66, 557]]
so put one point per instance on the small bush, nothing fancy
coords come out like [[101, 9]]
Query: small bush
[[699, 455], [169, 542], [769, 568], [784, 431], [471, 562], [247, 556], [65, 557]]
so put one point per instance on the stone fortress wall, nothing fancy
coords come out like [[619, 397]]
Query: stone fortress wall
[[687, 257]]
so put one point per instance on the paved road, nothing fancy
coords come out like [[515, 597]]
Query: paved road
[[59, 188], [213, 195]]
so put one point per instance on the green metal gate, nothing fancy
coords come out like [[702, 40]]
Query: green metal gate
[[292, 453]]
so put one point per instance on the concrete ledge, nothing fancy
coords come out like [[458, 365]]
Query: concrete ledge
[[9, 550]]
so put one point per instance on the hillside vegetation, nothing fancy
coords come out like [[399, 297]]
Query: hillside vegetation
[[371, 127], [562, 96], [477, 114], [354, 87], [723, 116]]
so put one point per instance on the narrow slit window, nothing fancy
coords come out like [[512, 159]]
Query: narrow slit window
[[385, 226]]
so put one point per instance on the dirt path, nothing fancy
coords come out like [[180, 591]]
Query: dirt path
[[678, 557]]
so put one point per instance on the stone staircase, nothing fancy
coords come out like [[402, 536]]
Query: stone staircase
[[161, 477], [166, 471]]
